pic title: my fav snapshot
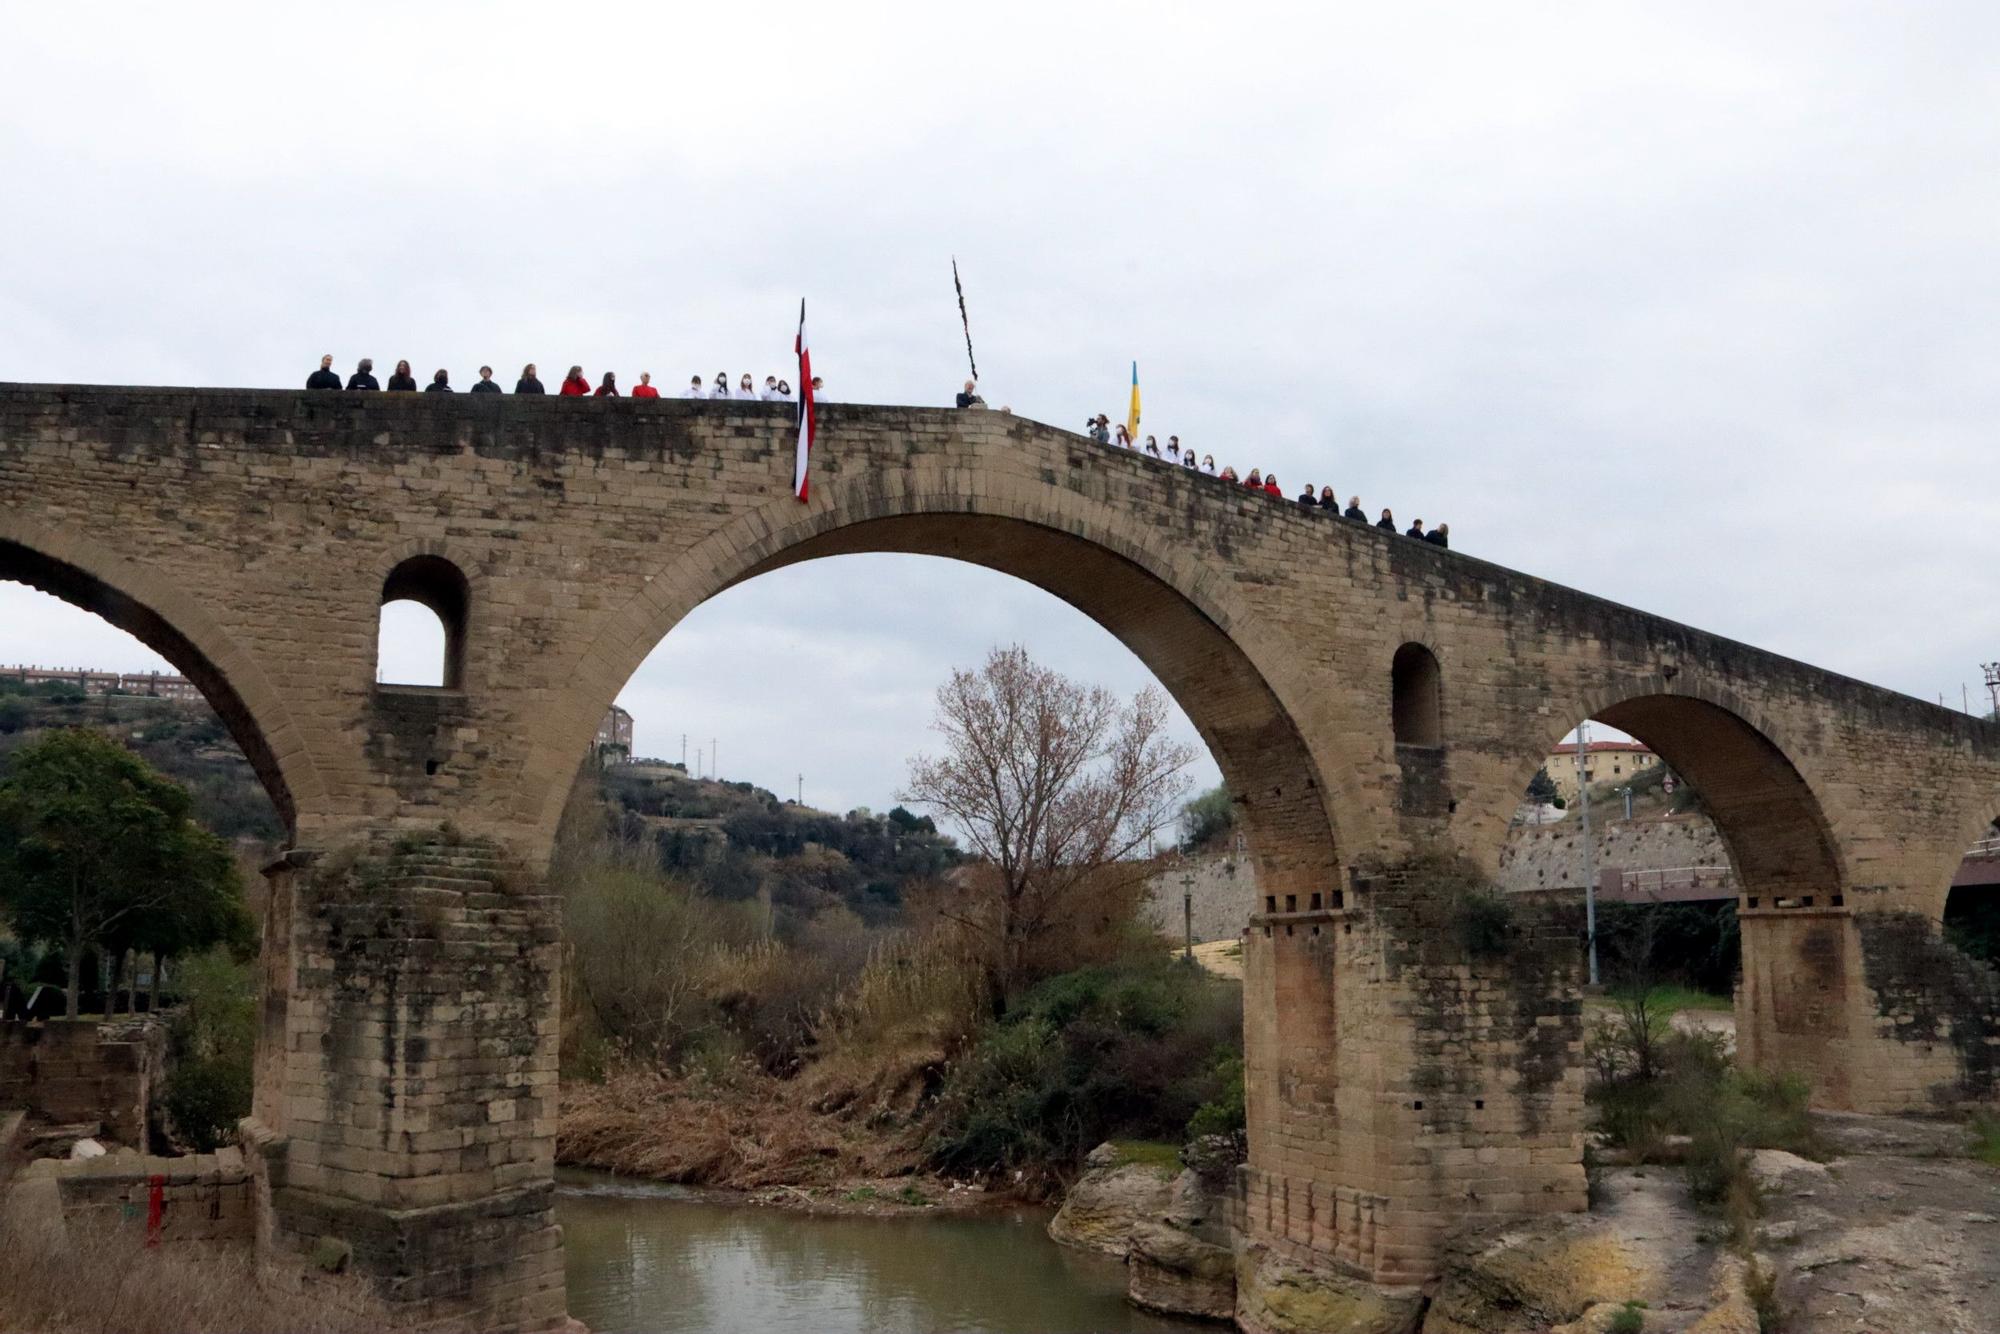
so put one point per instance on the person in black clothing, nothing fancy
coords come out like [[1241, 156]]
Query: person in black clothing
[[528, 384], [440, 384], [324, 378], [402, 379], [485, 383], [1354, 511], [1439, 536], [1309, 496], [364, 375], [1416, 529], [969, 396], [1387, 520]]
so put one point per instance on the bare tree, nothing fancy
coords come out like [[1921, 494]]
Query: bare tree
[[1052, 781]]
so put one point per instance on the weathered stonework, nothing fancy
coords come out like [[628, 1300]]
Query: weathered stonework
[[404, 1101]]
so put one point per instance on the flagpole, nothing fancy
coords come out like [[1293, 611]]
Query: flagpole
[[964, 320]]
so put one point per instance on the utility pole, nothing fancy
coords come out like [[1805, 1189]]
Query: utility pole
[[684, 752], [1589, 853], [697, 761], [1992, 670], [802, 789], [714, 758]]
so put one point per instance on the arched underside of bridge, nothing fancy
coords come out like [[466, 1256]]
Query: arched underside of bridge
[[1768, 817], [1272, 775], [107, 592]]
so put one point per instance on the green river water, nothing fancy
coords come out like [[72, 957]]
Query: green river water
[[652, 1259]]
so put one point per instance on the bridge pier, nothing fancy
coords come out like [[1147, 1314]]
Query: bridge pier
[[1876, 1009], [1415, 1062], [405, 1111]]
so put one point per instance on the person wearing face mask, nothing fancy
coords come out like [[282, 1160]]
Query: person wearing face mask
[[1174, 448], [1153, 446], [1124, 437], [1188, 463], [747, 388], [770, 394], [695, 389], [721, 389]]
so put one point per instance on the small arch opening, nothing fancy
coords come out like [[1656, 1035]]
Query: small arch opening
[[420, 638], [1415, 709]]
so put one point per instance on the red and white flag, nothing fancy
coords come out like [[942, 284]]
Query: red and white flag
[[805, 409]]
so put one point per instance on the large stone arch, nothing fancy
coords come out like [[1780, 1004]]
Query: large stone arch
[[1754, 781], [1177, 618], [172, 624]]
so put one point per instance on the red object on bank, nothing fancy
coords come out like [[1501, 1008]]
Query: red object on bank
[[156, 1187]]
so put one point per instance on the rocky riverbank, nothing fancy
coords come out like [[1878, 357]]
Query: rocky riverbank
[[1897, 1232]]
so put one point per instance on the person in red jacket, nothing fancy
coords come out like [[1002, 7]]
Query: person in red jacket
[[574, 385], [1271, 487], [609, 389], [644, 389]]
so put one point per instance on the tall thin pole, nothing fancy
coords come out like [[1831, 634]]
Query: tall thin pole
[[802, 789], [1589, 853], [697, 761], [714, 758], [684, 752]]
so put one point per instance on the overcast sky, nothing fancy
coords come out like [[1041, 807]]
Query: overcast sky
[[1690, 306]]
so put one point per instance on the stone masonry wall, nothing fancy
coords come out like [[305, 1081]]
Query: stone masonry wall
[[85, 1071], [1551, 856], [1223, 887]]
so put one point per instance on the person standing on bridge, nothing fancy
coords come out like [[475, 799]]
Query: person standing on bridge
[[402, 380], [1387, 520], [324, 377], [1208, 464], [1354, 510], [440, 384], [1255, 481], [644, 389], [1329, 502], [1309, 497], [721, 389], [1271, 487], [1440, 536], [784, 391], [1416, 529], [609, 388], [528, 384], [968, 397], [485, 385], [771, 394], [364, 375], [574, 385], [695, 389], [1187, 460]]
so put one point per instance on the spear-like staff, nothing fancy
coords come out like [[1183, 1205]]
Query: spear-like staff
[[963, 318]]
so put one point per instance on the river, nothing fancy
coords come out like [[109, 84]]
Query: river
[[654, 1259]]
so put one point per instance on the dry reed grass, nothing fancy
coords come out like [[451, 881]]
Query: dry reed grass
[[51, 1283]]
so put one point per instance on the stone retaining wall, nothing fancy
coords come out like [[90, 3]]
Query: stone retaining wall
[[85, 1070]]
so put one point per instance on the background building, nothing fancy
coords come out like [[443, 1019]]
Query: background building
[[1604, 762]]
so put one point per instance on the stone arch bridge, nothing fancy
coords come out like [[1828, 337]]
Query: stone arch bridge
[[1369, 699]]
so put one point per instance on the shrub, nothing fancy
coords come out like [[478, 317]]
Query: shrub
[[1986, 1139], [213, 1041], [1224, 1114], [1130, 1050]]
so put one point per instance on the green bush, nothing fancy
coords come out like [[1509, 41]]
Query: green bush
[[1137, 1049], [1222, 1115], [213, 1042]]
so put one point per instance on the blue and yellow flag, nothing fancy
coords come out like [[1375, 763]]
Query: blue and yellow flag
[[1132, 417]]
